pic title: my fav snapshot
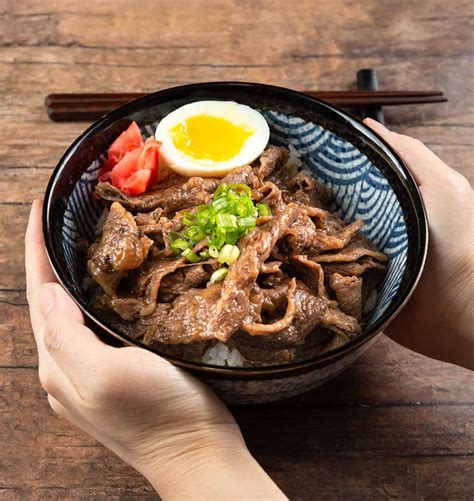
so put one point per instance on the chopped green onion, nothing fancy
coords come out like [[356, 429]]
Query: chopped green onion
[[229, 217], [226, 220], [190, 256], [218, 240], [222, 188], [194, 234], [213, 251], [179, 245], [225, 253], [189, 218], [232, 237], [174, 235], [228, 254], [247, 222], [204, 254], [245, 207], [218, 275], [220, 204], [264, 210]]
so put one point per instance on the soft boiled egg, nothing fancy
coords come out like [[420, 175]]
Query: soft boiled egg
[[210, 138]]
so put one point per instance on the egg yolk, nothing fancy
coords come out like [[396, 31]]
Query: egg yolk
[[207, 137]]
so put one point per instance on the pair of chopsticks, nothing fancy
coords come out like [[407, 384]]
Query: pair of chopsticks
[[77, 107]]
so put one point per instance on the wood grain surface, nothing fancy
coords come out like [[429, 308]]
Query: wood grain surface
[[395, 424]]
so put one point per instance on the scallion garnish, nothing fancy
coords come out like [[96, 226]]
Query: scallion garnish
[[228, 217], [264, 210], [228, 254], [218, 275], [190, 256], [213, 251], [179, 245]]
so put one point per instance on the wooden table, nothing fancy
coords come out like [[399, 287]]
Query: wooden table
[[395, 424]]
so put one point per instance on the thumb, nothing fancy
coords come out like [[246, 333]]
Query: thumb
[[73, 346]]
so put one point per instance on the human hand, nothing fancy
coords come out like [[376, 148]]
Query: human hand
[[156, 417], [438, 320]]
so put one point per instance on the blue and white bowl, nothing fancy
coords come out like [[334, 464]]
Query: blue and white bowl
[[367, 179]]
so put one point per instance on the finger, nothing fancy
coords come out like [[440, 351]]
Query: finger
[[38, 272], [38, 269], [426, 167], [77, 351]]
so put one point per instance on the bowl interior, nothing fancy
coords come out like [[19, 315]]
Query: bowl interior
[[368, 182]]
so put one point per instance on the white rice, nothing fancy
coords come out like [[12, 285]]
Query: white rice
[[294, 157], [223, 355]]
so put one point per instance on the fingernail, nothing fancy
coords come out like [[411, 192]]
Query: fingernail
[[373, 123], [47, 298]]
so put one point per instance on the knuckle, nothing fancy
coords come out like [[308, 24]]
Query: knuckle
[[461, 184], [417, 143], [408, 143], [51, 337]]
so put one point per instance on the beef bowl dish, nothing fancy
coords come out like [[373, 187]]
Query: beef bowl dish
[[250, 234]]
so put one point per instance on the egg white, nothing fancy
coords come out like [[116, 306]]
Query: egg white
[[238, 114]]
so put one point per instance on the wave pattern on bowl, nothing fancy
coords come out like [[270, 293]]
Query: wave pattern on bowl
[[360, 191]]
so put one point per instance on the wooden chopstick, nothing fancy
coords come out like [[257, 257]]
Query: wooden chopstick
[[90, 106]]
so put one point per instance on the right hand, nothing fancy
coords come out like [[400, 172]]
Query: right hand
[[438, 320]]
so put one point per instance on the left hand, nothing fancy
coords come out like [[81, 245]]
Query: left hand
[[156, 417]]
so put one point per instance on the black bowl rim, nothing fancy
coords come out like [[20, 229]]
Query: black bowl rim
[[282, 93]]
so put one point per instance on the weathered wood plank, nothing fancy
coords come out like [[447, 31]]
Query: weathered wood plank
[[408, 32], [339, 476], [13, 220], [22, 185]]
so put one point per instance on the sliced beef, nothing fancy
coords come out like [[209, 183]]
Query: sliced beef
[[308, 237], [130, 308], [255, 249], [334, 319], [160, 232], [122, 247], [184, 320], [189, 193], [270, 194], [271, 159], [256, 350], [183, 280], [300, 187], [259, 328], [311, 274], [148, 218], [149, 279], [142, 289], [241, 175], [348, 292], [308, 313], [352, 268], [338, 340], [352, 251]]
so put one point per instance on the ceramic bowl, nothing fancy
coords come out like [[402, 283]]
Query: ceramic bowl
[[367, 178]]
